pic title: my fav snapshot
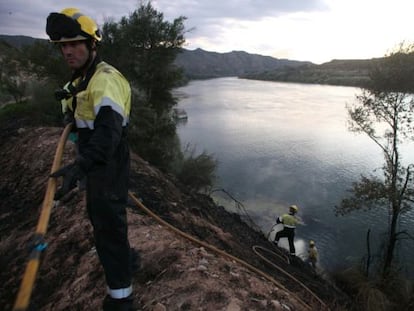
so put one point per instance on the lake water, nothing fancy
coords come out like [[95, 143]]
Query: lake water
[[279, 144]]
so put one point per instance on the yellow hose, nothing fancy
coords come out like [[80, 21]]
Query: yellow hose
[[257, 247], [26, 286], [215, 249]]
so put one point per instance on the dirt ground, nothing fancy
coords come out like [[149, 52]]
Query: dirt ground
[[177, 272]]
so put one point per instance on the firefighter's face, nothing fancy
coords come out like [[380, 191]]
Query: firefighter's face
[[75, 53]]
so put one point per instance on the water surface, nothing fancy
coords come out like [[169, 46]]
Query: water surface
[[284, 143]]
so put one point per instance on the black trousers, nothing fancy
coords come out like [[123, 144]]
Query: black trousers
[[288, 233], [107, 194]]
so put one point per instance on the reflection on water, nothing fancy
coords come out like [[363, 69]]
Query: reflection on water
[[284, 143]]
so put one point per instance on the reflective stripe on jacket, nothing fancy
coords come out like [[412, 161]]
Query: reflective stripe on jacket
[[289, 221], [107, 87], [101, 116]]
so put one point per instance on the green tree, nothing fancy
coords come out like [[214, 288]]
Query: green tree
[[197, 171], [44, 60], [144, 46], [384, 112], [12, 82]]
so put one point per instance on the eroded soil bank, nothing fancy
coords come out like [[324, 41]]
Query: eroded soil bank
[[175, 273]]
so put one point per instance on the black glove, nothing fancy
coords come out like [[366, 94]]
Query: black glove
[[71, 174], [69, 117]]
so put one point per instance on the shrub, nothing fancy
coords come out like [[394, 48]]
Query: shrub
[[197, 172], [39, 108], [375, 293]]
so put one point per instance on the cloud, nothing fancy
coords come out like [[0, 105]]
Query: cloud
[[313, 30], [20, 17], [236, 9], [212, 13], [216, 25], [213, 22]]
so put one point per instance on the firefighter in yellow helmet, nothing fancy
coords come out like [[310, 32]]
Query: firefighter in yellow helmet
[[289, 222], [98, 100], [312, 254]]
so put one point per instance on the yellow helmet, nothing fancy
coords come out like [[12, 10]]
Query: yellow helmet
[[71, 25], [293, 208], [311, 243]]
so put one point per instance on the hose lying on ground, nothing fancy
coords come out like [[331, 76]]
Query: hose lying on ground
[[26, 287], [220, 252], [256, 249]]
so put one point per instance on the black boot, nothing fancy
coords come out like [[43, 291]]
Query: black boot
[[124, 304]]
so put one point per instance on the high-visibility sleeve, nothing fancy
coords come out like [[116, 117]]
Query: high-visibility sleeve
[[103, 141], [107, 88]]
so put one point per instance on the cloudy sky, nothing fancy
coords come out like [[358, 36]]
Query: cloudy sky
[[312, 30]]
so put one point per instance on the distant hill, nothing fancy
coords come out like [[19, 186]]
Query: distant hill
[[201, 64], [6, 48], [335, 72], [19, 41]]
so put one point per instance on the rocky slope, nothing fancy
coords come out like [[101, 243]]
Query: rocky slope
[[212, 265]]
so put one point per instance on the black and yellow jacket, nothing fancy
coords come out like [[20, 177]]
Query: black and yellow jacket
[[102, 112], [101, 116]]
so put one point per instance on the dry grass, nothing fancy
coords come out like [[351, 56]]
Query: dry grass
[[371, 298], [374, 294]]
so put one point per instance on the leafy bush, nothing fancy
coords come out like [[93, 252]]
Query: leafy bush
[[197, 172], [153, 137], [40, 108], [43, 101], [376, 294]]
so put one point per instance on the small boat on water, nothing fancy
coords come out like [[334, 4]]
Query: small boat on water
[[179, 114]]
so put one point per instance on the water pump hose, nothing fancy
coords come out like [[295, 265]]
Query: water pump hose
[[39, 245], [26, 287], [215, 249]]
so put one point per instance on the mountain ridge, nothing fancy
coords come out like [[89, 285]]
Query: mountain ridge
[[202, 64]]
